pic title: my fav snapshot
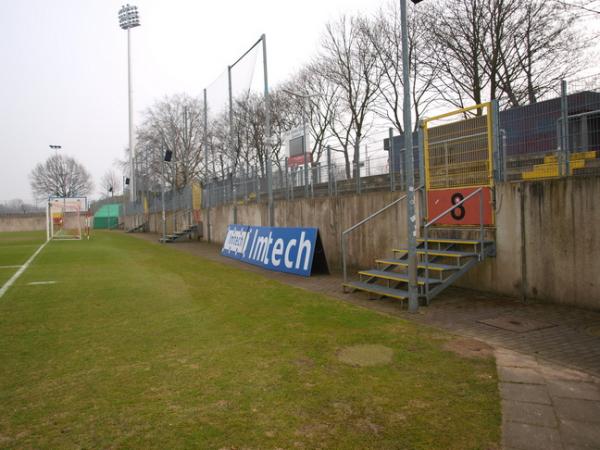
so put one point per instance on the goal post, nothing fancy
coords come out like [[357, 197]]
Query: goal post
[[66, 218]]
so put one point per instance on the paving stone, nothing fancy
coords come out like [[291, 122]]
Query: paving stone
[[530, 413], [580, 434], [513, 359], [520, 375], [577, 409], [531, 393], [573, 389], [562, 373], [530, 437]]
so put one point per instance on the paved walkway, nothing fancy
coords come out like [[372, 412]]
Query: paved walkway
[[548, 356], [545, 406]]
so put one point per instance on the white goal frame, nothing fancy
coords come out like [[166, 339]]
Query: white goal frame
[[65, 218]]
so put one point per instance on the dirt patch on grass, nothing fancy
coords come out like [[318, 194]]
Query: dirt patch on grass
[[469, 348], [366, 355]]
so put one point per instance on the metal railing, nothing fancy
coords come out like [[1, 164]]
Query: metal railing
[[443, 214], [345, 233]]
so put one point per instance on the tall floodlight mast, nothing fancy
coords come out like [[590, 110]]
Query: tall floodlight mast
[[128, 19]]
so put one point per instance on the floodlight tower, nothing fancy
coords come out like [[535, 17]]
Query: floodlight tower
[[128, 19]]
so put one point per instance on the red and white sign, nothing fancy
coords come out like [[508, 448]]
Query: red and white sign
[[298, 160], [467, 213]]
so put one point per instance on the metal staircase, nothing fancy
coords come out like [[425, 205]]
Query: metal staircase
[[187, 233], [143, 227], [440, 260], [439, 265]]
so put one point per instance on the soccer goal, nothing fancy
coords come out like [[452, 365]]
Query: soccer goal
[[66, 218]]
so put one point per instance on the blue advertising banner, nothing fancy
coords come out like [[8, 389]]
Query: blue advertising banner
[[290, 250]]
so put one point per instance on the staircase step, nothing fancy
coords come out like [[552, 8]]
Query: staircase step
[[448, 253], [377, 289], [386, 275], [455, 241], [404, 263]]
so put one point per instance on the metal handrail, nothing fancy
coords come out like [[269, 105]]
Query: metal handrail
[[362, 222], [479, 192]]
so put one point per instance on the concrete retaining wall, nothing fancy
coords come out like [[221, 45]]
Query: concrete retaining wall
[[547, 235], [548, 240], [23, 222]]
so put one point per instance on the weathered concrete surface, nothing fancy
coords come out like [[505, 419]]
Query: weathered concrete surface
[[548, 242], [331, 215], [22, 222]]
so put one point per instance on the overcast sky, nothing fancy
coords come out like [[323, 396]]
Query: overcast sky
[[63, 78]]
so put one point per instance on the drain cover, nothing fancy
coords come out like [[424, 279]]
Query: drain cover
[[517, 324]]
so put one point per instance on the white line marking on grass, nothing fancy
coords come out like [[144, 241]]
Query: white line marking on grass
[[18, 273], [10, 267], [37, 283]]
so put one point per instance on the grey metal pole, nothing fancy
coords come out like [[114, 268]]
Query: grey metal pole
[[207, 174], [413, 299], [268, 134], [357, 170], [287, 180], [132, 193], [305, 149], [564, 109], [329, 185], [162, 200], [232, 144], [392, 160]]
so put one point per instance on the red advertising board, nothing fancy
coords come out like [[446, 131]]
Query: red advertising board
[[299, 160], [440, 200]]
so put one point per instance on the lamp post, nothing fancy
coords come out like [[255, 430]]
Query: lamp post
[[128, 19], [55, 147], [413, 295]]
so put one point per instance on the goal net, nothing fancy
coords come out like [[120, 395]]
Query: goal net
[[66, 217]]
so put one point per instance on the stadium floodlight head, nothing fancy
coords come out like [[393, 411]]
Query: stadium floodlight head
[[55, 147], [129, 17], [416, 1]]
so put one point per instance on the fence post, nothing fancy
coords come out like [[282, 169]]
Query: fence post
[[392, 160], [329, 186], [564, 109], [421, 153], [257, 177], [287, 181], [498, 165], [357, 168]]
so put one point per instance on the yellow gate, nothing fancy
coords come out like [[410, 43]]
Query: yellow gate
[[458, 149]]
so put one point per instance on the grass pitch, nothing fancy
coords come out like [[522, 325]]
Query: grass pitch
[[142, 346]]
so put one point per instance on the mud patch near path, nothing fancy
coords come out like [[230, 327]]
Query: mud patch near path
[[366, 355], [469, 348]]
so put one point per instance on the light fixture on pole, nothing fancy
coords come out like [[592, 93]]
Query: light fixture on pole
[[55, 147], [413, 293], [128, 19]]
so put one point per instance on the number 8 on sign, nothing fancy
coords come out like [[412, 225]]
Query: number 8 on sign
[[459, 212]]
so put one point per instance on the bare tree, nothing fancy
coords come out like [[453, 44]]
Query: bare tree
[[502, 49], [458, 32], [349, 61], [547, 49], [174, 123], [320, 101], [385, 33], [60, 176], [110, 183]]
